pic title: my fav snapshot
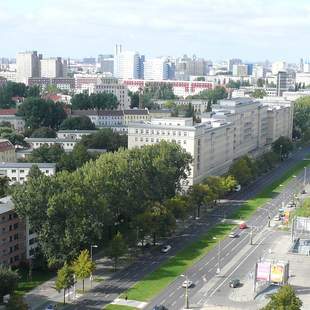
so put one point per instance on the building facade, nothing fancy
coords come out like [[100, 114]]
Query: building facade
[[8, 115], [52, 67], [156, 69], [7, 151], [27, 66], [234, 128], [66, 144], [13, 249], [18, 172]]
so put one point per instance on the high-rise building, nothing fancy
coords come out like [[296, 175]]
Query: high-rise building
[[240, 70], [186, 66], [52, 67], [156, 69], [126, 64], [285, 82], [106, 63], [278, 66], [234, 61], [27, 66]]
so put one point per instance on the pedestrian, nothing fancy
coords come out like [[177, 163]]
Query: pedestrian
[[126, 297]]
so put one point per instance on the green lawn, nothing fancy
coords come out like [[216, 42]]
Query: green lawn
[[118, 307], [156, 281], [269, 192], [38, 277]]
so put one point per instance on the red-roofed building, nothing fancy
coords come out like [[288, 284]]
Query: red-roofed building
[[8, 115], [7, 151]]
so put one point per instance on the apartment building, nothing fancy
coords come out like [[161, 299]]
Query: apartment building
[[199, 105], [234, 128], [13, 247], [8, 115], [117, 120], [74, 134], [7, 151], [113, 86], [18, 172], [66, 144], [27, 66]]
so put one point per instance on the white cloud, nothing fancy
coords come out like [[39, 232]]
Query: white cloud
[[79, 27]]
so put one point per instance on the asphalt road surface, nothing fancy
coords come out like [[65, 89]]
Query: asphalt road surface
[[110, 289]]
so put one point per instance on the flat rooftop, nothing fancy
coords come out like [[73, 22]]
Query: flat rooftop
[[26, 165]]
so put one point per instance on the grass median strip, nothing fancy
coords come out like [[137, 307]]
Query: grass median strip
[[156, 281]]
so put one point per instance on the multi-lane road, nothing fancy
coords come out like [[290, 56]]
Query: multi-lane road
[[205, 269]]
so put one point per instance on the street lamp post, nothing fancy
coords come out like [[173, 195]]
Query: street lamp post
[[251, 236], [186, 305], [305, 177], [218, 270], [91, 258], [281, 146]]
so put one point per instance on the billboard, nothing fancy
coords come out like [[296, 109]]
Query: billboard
[[302, 224], [263, 271], [277, 273]]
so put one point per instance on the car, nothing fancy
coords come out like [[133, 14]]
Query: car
[[237, 188], [160, 307], [303, 192], [243, 226], [277, 218], [50, 307], [166, 248], [234, 283], [233, 235], [187, 284]]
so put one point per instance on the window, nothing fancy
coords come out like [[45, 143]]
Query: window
[[13, 171], [15, 225], [46, 171], [141, 139], [185, 133], [136, 139], [146, 139], [137, 131], [16, 237], [184, 142], [22, 170], [21, 178]]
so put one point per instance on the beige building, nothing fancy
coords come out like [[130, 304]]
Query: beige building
[[27, 66], [234, 128], [7, 151]]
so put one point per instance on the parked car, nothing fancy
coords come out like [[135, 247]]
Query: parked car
[[187, 283], [160, 307], [243, 226], [50, 307], [237, 188], [166, 248], [233, 235], [234, 283], [277, 218]]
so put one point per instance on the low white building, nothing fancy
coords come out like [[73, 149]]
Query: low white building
[[18, 172], [74, 134], [66, 144]]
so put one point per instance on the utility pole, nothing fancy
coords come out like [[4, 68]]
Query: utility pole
[[251, 236]]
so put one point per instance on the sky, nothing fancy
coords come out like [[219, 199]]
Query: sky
[[253, 30]]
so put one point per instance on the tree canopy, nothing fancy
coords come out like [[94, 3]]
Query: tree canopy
[[282, 146], [302, 118], [101, 101], [105, 139], [43, 132], [39, 112], [259, 93], [284, 299], [64, 279], [78, 123], [138, 178], [8, 281]]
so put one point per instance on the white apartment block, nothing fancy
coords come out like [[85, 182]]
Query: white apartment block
[[234, 128], [8, 115], [156, 69], [9, 75], [66, 144], [27, 66], [115, 119], [74, 134], [51, 67], [199, 105], [18, 172], [303, 78]]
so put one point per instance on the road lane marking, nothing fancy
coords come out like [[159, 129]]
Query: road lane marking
[[234, 270]]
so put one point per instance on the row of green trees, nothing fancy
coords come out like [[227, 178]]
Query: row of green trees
[[301, 129], [100, 101], [245, 169], [117, 192]]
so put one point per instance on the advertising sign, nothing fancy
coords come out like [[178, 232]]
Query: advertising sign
[[277, 273], [263, 271]]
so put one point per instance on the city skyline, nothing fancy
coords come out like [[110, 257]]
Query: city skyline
[[253, 31]]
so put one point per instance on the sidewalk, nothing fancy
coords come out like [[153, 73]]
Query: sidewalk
[[46, 293]]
